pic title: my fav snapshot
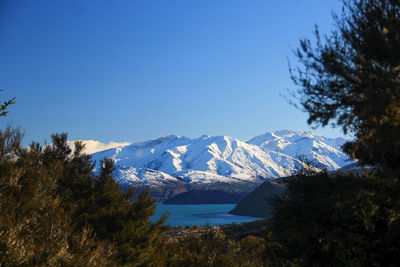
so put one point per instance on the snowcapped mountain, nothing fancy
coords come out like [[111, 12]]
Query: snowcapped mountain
[[93, 146], [206, 159], [317, 149], [212, 161]]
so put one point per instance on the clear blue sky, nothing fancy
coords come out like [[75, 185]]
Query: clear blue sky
[[135, 70]]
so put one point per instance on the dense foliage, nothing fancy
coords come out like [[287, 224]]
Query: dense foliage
[[337, 220], [213, 248], [351, 79], [56, 212]]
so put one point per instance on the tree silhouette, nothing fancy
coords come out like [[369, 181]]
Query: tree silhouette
[[351, 79], [4, 105]]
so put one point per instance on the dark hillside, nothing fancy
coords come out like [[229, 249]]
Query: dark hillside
[[256, 203]]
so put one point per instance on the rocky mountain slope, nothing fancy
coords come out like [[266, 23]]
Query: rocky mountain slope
[[220, 162], [319, 150]]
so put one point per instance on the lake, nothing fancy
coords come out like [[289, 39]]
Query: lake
[[213, 214]]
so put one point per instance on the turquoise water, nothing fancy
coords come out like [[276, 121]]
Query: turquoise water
[[213, 214]]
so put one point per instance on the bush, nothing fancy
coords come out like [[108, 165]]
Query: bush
[[56, 212], [337, 220]]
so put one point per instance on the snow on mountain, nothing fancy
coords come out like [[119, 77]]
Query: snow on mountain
[[143, 177], [298, 144], [218, 160], [203, 160], [92, 146]]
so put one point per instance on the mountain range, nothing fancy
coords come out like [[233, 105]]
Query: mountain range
[[173, 164]]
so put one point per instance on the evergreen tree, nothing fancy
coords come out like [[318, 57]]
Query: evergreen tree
[[55, 211], [35, 229], [123, 221], [76, 179], [351, 79], [336, 220]]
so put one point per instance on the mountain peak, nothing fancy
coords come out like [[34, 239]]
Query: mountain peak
[[93, 146], [299, 144], [158, 141], [282, 133], [221, 160]]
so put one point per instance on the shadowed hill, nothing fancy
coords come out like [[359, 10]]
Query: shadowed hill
[[256, 204]]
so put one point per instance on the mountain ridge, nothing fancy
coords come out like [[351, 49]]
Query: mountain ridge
[[220, 161]]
